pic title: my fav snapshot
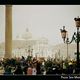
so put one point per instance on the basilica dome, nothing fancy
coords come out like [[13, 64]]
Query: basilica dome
[[27, 34]]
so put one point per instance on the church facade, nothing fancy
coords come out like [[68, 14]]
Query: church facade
[[28, 45]]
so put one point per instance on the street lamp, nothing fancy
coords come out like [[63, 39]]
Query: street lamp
[[77, 21], [76, 37], [64, 35]]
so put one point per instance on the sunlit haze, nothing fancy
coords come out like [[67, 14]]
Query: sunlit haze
[[42, 20]]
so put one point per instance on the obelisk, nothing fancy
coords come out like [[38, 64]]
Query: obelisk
[[8, 31]]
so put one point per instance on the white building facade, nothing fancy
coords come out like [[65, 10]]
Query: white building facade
[[28, 45]]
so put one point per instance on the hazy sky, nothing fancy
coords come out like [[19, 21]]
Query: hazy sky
[[42, 20]]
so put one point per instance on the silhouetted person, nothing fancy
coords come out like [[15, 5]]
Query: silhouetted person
[[18, 70], [50, 71], [29, 70], [7, 70], [25, 69], [38, 68], [70, 69]]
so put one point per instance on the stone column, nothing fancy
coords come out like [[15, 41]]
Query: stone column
[[8, 31]]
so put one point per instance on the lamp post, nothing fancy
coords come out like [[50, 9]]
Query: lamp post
[[77, 21], [64, 35], [76, 37]]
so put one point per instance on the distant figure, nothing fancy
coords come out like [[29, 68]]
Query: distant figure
[[29, 70], [38, 67], [25, 69], [51, 71], [7, 70], [70, 69], [34, 71], [18, 70]]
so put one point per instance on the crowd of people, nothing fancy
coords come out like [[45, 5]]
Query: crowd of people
[[33, 66], [21, 66]]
